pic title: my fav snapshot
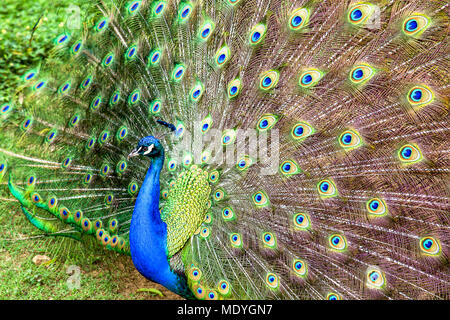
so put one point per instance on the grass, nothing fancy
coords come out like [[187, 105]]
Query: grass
[[103, 275]]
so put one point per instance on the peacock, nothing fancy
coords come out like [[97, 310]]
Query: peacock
[[245, 149]]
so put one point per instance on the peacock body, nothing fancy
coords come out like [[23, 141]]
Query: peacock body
[[251, 149]]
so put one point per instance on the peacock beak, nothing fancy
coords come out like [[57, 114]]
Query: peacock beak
[[133, 153]]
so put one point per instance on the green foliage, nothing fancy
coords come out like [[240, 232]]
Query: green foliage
[[27, 28]]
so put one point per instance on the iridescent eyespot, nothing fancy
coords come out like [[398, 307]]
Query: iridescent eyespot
[[208, 218], [78, 216], [121, 166], [244, 163], [76, 47], [179, 131], [298, 19], [40, 85], [289, 168], [103, 137], [3, 167], [108, 199], [416, 24], [171, 165], [113, 225], [154, 57], [104, 170], [134, 97], [96, 102], [234, 87], [327, 188], [205, 156], [36, 198], [300, 268], [155, 106], [99, 234], [233, 2], [98, 224], [199, 291], [31, 181], [196, 92], [376, 207], [260, 199], [52, 202], [430, 246], [106, 239], [214, 176], [29, 75], [206, 30], [333, 296], [219, 194], [337, 242], [211, 295], [66, 162], [228, 137], [115, 98], [257, 34], [266, 122], [206, 124], [114, 241], [122, 133], [88, 178], [223, 287], [132, 188], [26, 124], [359, 14], [5, 108], [90, 144], [361, 73], [187, 160], [108, 60], [269, 79], [64, 213], [222, 56], [86, 224], [420, 96], [131, 53], [301, 221], [50, 137], [195, 274], [101, 25], [350, 139], [235, 239], [204, 233], [158, 8], [133, 7], [184, 12], [228, 214], [269, 240], [178, 73], [310, 77], [61, 39], [409, 154], [375, 278], [272, 280], [64, 88], [86, 83]]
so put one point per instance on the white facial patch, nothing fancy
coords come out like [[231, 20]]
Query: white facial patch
[[150, 148]]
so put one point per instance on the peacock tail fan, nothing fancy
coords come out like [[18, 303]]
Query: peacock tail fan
[[306, 142]]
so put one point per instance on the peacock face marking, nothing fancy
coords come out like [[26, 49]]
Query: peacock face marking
[[148, 146]]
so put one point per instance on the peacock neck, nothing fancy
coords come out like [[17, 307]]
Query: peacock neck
[[148, 234]]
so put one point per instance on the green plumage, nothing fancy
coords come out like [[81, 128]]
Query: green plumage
[[310, 154]]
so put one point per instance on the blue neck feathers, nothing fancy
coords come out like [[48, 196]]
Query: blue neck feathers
[[148, 234]]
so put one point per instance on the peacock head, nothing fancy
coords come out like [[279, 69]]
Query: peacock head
[[149, 147]]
